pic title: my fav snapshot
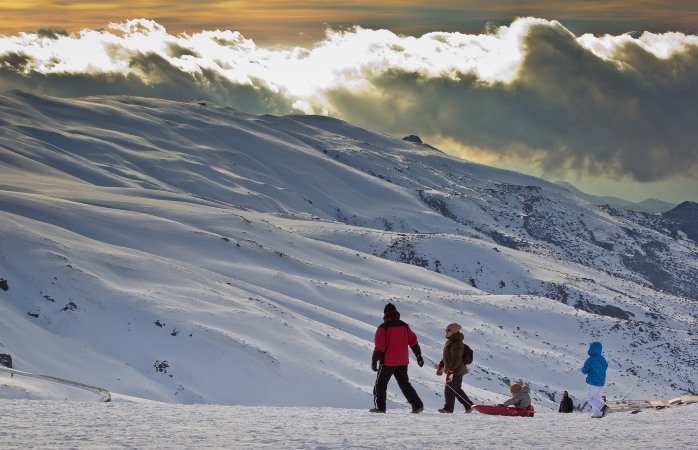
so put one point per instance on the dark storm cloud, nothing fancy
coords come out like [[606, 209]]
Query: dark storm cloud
[[631, 115]]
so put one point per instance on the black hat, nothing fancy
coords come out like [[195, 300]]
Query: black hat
[[389, 307]]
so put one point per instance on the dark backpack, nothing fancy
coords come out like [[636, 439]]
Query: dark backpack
[[467, 354]]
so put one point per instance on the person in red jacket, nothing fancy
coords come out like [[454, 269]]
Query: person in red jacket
[[390, 358]]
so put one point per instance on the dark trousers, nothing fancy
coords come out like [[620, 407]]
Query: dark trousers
[[381, 387], [453, 391]]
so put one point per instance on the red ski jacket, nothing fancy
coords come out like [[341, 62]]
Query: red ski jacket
[[393, 338]]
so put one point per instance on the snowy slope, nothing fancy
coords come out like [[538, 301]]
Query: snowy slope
[[136, 423], [190, 253]]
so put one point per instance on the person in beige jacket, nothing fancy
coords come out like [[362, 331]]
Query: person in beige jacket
[[452, 364]]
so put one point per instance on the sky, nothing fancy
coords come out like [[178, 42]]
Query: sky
[[600, 94], [276, 21]]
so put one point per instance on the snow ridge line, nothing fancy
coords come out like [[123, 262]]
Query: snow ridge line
[[106, 395]]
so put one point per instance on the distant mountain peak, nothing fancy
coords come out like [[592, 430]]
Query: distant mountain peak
[[650, 205]]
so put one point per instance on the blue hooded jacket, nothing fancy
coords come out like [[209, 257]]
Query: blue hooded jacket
[[595, 366]]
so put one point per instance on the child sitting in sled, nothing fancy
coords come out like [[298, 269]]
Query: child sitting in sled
[[521, 397]]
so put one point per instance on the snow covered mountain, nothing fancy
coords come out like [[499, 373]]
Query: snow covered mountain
[[191, 253]]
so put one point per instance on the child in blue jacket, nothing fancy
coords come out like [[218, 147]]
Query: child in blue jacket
[[595, 370]]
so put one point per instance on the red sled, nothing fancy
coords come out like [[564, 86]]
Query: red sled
[[505, 410]]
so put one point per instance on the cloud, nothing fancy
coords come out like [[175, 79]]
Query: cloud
[[629, 113], [143, 61], [619, 106]]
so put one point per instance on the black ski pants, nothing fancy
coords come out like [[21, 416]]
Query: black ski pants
[[453, 391], [380, 389]]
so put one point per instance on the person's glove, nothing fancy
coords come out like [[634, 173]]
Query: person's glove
[[374, 366], [420, 360], [440, 369], [449, 376]]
